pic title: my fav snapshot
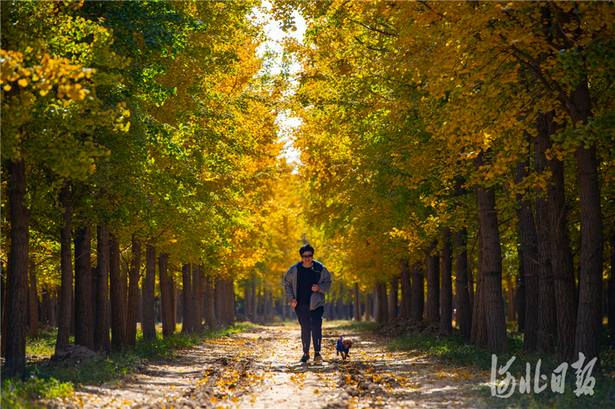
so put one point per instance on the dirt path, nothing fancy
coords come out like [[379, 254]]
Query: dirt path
[[261, 369]]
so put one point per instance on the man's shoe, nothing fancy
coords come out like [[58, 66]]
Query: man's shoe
[[317, 357], [305, 358]]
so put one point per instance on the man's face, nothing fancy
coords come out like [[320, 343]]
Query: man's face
[[307, 258]]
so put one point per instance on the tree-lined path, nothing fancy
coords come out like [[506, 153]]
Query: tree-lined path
[[259, 369], [455, 174]]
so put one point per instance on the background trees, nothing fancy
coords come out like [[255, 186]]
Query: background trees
[[434, 134]]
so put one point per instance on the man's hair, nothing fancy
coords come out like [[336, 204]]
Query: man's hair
[[304, 248]]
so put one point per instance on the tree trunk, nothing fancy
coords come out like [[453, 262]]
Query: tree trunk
[[446, 292], [368, 306], [201, 298], [66, 265], [102, 342], [432, 268], [529, 246], [562, 263], [479, 332], [462, 295], [187, 320], [45, 318], [406, 289], [34, 319], [511, 298], [520, 295], [357, 302], [393, 298], [418, 293], [84, 331], [254, 300], [209, 303], [133, 293], [497, 338], [230, 302], [118, 297], [148, 323], [167, 309], [611, 289], [546, 298], [15, 351]]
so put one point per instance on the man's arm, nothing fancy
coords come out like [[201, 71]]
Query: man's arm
[[288, 287], [325, 285]]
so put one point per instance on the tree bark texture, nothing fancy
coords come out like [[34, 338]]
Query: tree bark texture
[[432, 268], [357, 302], [187, 320], [133, 293], [167, 310], [84, 330], [102, 342], [201, 298], [546, 297], [406, 289], [198, 309], [148, 324], [462, 296], [520, 295], [446, 291], [209, 302], [66, 266], [497, 338], [118, 297], [34, 318], [529, 246], [418, 293], [479, 332], [393, 297], [15, 351]]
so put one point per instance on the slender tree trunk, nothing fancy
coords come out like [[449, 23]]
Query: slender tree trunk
[[368, 306], [497, 338], [446, 292], [187, 319], [357, 302], [611, 293], [197, 309], [148, 324], [167, 309], [418, 293], [393, 298], [66, 265], [511, 298], [479, 332], [45, 308], [529, 246], [462, 295], [247, 301], [432, 267], [230, 302], [562, 263], [5, 307], [84, 330], [546, 298], [15, 351], [201, 298], [133, 293], [254, 301], [102, 342], [34, 319], [406, 289], [520, 295], [209, 302], [118, 297]]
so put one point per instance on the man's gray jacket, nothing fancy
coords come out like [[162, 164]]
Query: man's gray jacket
[[324, 282]]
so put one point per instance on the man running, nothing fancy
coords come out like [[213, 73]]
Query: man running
[[305, 284]]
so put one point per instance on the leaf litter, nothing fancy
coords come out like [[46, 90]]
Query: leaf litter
[[260, 368]]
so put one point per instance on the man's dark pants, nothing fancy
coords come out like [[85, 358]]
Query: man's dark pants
[[311, 322]]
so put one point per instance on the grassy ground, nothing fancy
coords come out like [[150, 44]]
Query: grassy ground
[[45, 381]]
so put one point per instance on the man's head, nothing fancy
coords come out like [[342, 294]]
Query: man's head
[[306, 250]]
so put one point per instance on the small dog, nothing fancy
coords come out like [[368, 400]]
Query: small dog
[[343, 346]]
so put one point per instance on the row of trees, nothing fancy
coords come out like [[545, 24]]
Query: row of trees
[[137, 133], [473, 134]]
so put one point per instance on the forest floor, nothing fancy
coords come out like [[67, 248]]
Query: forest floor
[[260, 368], [249, 366]]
